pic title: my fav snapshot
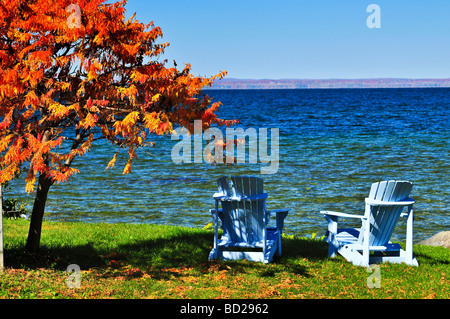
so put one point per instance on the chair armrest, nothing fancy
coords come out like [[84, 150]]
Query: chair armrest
[[404, 202], [219, 196], [278, 211], [216, 216], [338, 214], [280, 216], [222, 197], [332, 219]]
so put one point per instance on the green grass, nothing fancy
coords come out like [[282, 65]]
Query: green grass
[[157, 261]]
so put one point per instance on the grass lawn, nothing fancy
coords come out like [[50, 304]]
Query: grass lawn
[[130, 261]]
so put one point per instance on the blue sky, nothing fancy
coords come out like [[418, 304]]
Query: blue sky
[[303, 39]]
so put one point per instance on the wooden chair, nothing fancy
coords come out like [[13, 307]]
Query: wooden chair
[[383, 208], [244, 220]]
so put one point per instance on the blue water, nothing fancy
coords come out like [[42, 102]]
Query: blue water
[[333, 145]]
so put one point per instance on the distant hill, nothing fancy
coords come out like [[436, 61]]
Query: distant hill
[[329, 83]]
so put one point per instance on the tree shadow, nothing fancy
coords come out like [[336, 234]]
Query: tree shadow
[[436, 256], [55, 258], [299, 248], [296, 249], [181, 250], [165, 256]]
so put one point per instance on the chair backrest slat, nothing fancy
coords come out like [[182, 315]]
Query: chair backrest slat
[[383, 219], [223, 186], [244, 219]]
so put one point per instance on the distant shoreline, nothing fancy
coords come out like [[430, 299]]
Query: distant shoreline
[[227, 84]]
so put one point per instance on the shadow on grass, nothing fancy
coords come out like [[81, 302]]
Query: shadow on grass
[[186, 249], [56, 258], [313, 249], [432, 255]]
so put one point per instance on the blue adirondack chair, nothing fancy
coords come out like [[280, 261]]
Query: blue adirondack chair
[[245, 221], [383, 208]]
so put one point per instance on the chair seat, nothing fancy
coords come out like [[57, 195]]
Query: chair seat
[[349, 237], [272, 238], [387, 247]]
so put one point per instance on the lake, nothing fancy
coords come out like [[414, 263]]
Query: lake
[[333, 143]]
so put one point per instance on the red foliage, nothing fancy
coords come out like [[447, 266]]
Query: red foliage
[[59, 78]]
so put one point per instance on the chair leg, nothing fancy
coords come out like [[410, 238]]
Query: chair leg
[[332, 248], [409, 237], [331, 237], [278, 251]]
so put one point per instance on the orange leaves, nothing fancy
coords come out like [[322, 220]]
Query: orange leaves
[[131, 156], [28, 148], [151, 121], [89, 121], [158, 123], [164, 128], [22, 36], [208, 116], [131, 49], [62, 175], [8, 173], [156, 98], [33, 65], [30, 180], [6, 123], [34, 77], [130, 120], [94, 68], [126, 126], [31, 99], [37, 58], [56, 109], [112, 162], [14, 151], [139, 77], [84, 147], [129, 92], [103, 75], [5, 142]]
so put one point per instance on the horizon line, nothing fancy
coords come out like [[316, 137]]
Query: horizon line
[[334, 78], [292, 83]]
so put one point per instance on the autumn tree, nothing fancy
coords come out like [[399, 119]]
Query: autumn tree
[[76, 72]]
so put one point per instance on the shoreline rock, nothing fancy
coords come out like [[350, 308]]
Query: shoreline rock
[[440, 239]]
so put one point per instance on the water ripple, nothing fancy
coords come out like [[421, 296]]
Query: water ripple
[[333, 145]]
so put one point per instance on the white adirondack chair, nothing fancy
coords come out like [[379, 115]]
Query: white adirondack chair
[[383, 208], [244, 220]]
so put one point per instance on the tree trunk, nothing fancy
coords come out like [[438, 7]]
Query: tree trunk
[[44, 184], [34, 233]]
